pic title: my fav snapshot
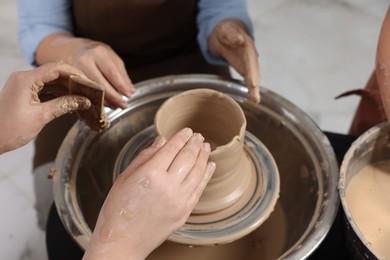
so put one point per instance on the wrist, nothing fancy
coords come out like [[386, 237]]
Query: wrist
[[122, 248], [116, 238], [48, 49]]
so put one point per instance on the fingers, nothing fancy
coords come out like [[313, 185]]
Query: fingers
[[205, 175], [63, 105], [254, 93], [189, 168], [114, 78], [163, 159], [252, 71], [146, 154], [197, 170], [117, 75], [105, 67], [252, 80], [52, 71], [186, 158], [113, 98]]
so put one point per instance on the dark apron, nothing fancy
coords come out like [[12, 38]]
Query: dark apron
[[153, 37]]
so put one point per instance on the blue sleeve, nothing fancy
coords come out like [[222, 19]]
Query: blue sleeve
[[211, 12], [38, 19]]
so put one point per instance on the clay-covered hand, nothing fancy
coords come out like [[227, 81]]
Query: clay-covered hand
[[22, 114], [152, 198], [97, 60], [231, 42]]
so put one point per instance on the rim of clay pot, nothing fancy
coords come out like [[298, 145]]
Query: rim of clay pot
[[151, 92], [362, 147], [208, 92]]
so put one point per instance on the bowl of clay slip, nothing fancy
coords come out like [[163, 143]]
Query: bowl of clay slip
[[245, 186], [364, 188]]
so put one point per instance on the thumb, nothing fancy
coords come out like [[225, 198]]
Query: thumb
[[63, 105], [231, 35]]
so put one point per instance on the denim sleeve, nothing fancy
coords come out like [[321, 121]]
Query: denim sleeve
[[38, 19], [211, 12]]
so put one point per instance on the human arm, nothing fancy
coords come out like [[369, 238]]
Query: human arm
[[225, 35], [46, 35], [22, 114], [152, 198], [383, 64]]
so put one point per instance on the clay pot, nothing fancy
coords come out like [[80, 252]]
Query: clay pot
[[237, 187], [222, 122]]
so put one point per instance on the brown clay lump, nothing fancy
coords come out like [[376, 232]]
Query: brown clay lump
[[94, 117]]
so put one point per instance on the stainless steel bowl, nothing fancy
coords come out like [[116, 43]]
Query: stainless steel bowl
[[372, 146], [307, 165]]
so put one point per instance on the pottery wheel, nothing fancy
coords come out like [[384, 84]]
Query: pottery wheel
[[234, 222], [305, 160]]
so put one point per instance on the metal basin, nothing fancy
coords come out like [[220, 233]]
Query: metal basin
[[370, 148], [307, 166]]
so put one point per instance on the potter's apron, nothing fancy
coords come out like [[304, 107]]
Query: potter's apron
[[370, 111], [153, 37]]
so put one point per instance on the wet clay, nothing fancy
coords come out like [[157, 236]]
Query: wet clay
[[94, 117], [221, 121], [265, 243], [368, 199]]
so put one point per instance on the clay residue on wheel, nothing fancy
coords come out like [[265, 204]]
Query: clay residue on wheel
[[94, 117]]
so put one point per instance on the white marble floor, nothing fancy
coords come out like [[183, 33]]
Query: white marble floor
[[310, 51]]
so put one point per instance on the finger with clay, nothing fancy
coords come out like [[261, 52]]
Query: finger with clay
[[23, 115], [231, 42]]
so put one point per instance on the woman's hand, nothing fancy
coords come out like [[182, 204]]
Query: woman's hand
[[231, 42], [152, 198], [22, 115], [97, 60]]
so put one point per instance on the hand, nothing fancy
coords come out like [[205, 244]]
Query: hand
[[152, 198], [22, 114], [97, 60], [230, 41]]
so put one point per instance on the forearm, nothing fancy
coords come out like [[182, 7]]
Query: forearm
[[116, 236], [118, 250], [111, 239], [55, 47], [383, 64], [5, 146], [39, 19]]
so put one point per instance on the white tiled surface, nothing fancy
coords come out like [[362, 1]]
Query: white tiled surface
[[310, 51]]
